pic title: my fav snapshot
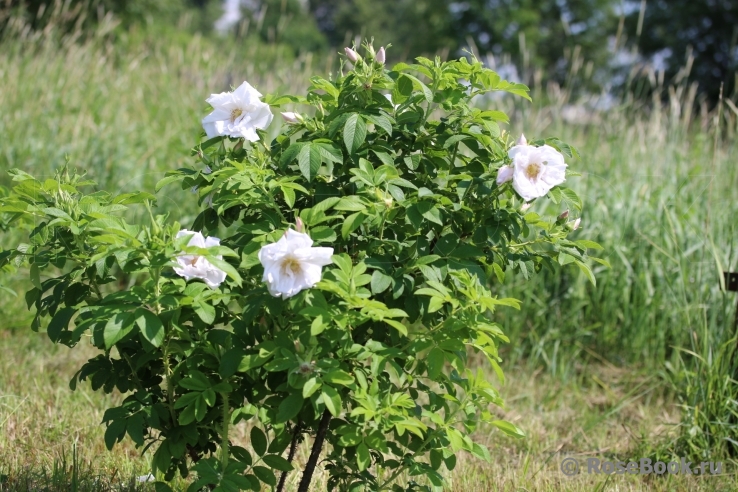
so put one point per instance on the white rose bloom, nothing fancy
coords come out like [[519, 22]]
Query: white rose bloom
[[237, 114], [535, 170], [292, 264], [195, 266]]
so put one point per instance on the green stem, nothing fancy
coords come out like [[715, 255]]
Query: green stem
[[224, 447]]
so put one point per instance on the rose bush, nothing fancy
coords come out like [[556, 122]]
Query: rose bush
[[352, 329]]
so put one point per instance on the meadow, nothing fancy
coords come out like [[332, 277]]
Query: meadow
[[637, 366]]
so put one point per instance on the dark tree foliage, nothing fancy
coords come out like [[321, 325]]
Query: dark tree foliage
[[414, 27], [424, 27], [545, 29], [285, 21], [709, 27]]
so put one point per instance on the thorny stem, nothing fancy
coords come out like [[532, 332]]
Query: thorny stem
[[293, 447], [224, 447], [307, 474]]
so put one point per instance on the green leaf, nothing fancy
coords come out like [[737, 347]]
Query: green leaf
[[332, 400], [150, 325], [205, 311], [290, 407], [434, 362], [338, 376], [420, 85], [309, 161], [277, 462], [455, 438], [290, 154], [289, 196], [508, 428], [117, 328], [380, 282], [352, 223], [35, 276], [226, 267], [311, 386], [59, 323], [382, 122], [258, 441], [265, 475], [354, 132], [584, 268], [363, 458]]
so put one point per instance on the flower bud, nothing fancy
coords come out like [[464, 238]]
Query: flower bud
[[351, 55], [575, 224], [291, 118], [525, 206], [521, 140], [564, 215], [299, 225], [381, 55], [388, 202], [299, 347]]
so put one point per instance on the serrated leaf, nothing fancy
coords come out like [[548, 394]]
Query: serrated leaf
[[354, 132], [309, 161], [290, 154]]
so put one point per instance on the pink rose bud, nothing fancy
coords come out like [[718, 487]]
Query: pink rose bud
[[521, 140], [381, 55], [564, 215], [351, 54], [291, 118], [299, 225]]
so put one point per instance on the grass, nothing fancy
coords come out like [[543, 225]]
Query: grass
[[603, 411], [623, 369]]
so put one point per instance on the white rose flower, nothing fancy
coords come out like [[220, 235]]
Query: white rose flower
[[292, 264], [237, 114], [535, 170], [195, 266]]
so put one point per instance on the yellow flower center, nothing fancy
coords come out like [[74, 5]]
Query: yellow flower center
[[291, 265], [533, 170], [235, 114]]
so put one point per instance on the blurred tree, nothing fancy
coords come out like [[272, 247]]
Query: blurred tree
[[286, 22], [414, 27], [708, 27], [544, 29]]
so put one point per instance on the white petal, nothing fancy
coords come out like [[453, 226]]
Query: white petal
[[504, 174], [212, 241]]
